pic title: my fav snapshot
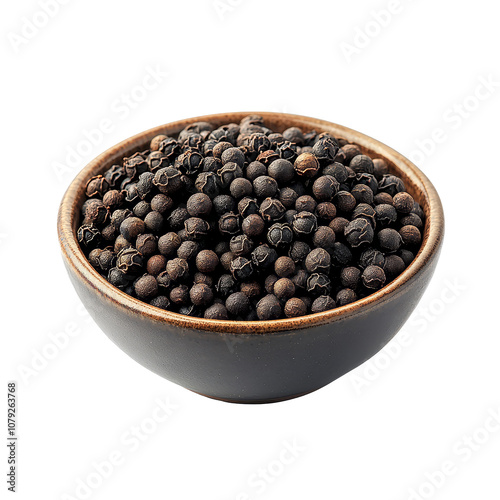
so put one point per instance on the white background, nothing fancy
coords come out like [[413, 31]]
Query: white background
[[415, 82]]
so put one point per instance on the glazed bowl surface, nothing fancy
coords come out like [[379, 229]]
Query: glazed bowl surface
[[253, 361]]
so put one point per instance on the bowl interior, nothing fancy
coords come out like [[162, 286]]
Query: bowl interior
[[415, 181]]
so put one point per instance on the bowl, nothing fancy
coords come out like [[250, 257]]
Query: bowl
[[253, 361]]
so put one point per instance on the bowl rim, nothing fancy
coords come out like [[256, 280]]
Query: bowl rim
[[76, 260]]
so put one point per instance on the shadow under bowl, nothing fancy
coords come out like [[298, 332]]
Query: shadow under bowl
[[257, 361]]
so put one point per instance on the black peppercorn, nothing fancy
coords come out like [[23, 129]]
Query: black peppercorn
[[179, 295], [251, 289], [154, 221], [207, 261], [248, 206], [336, 170], [208, 183], [294, 307], [241, 244], [146, 287], [264, 256], [325, 149], [406, 255], [345, 201], [199, 205], [168, 180], [288, 197], [177, 269], [403, 202], [349, 277], [299, 251], [188, 250], [280, 235], [272, 209], [287, 150], [253, 225], [359, 232], [324, 237], [365, 211], [284, 289], [410, 235], [265, 186], [240, 188], [371, 257], [281, 170], [341, 255], [390, 184], [241, 268], [237, 304], [306, 165], [345, 296], [325, 188], [322, 303], [385, 215], [268, 308], [373, 277], [223, 203], [393, 266], [146, 244], [318, 284], [382, 198], [189, 162], [161, 302], [96, 187], [88, 236], [389, 240], [229, 224], [284, 267], [380, 168], [201, 295], [129, 261], [216, 311], [156, 264], [233, 155], [362, 193], [226, 285], [118, 278], [300, 279], [338, 225], [362, 163], [304, 223], [318, 260], [196, 228], [255, 169], [305, 203], [168, 244]]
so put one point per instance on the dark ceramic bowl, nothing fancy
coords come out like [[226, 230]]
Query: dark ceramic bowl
[[260, 361]]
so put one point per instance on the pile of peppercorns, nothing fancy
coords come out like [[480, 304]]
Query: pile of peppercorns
[[240, 222]]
